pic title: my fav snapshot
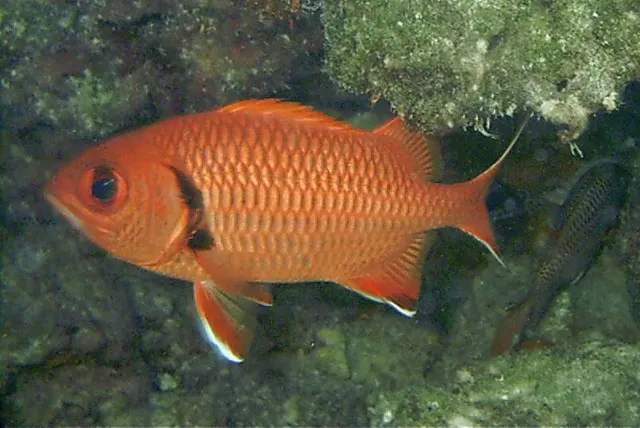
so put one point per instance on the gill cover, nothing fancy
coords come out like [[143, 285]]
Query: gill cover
[[134, 210], [167, 217]]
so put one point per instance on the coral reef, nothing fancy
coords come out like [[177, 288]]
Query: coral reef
[[462, 62]]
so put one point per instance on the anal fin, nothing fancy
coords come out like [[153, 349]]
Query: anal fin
[[228, 321], [398, 283]]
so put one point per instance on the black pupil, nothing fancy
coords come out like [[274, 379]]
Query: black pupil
[[105, 185]]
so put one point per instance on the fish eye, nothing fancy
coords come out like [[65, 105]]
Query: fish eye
[[104, 187]]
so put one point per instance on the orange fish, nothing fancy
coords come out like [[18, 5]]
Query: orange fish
[[267, 191]]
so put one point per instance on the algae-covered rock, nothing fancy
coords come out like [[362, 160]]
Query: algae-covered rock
[[595, 385], [55, 309], [99, 66], [332, 352], [368, 351], [81, 395], [458, 62]]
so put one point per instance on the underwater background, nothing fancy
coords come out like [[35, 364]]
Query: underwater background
[[90, 340]]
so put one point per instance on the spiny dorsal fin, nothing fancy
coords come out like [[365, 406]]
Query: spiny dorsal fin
[[288, 111], [423, 152]]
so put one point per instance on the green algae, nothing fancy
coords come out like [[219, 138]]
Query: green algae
[[332, 352], [97, 67], [460, 62], [95, 103]]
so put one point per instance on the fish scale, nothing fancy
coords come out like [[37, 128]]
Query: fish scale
[[269, 191], [294, 204], [292, 172]]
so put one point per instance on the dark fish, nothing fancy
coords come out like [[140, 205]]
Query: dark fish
[[630, 245], [589, 212]]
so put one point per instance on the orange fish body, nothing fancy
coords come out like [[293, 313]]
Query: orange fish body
[[267, 191]]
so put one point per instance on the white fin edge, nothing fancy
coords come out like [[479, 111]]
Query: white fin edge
[[213, 340]]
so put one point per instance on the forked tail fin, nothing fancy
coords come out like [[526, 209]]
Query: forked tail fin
[[478, 224], [508, 333]]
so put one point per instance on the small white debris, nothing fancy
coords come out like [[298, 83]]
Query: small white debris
[[575, 149], [166, 382], [482, 46], [610, 102], [387, 417]]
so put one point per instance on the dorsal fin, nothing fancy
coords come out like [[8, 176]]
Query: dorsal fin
[[289, 111], [422, 152]]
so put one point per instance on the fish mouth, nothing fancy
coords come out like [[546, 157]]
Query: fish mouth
[[62, 209]]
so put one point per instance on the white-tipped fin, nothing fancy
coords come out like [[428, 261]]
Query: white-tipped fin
[[227, 321]]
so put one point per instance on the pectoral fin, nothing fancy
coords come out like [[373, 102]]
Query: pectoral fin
[[228, 321]]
